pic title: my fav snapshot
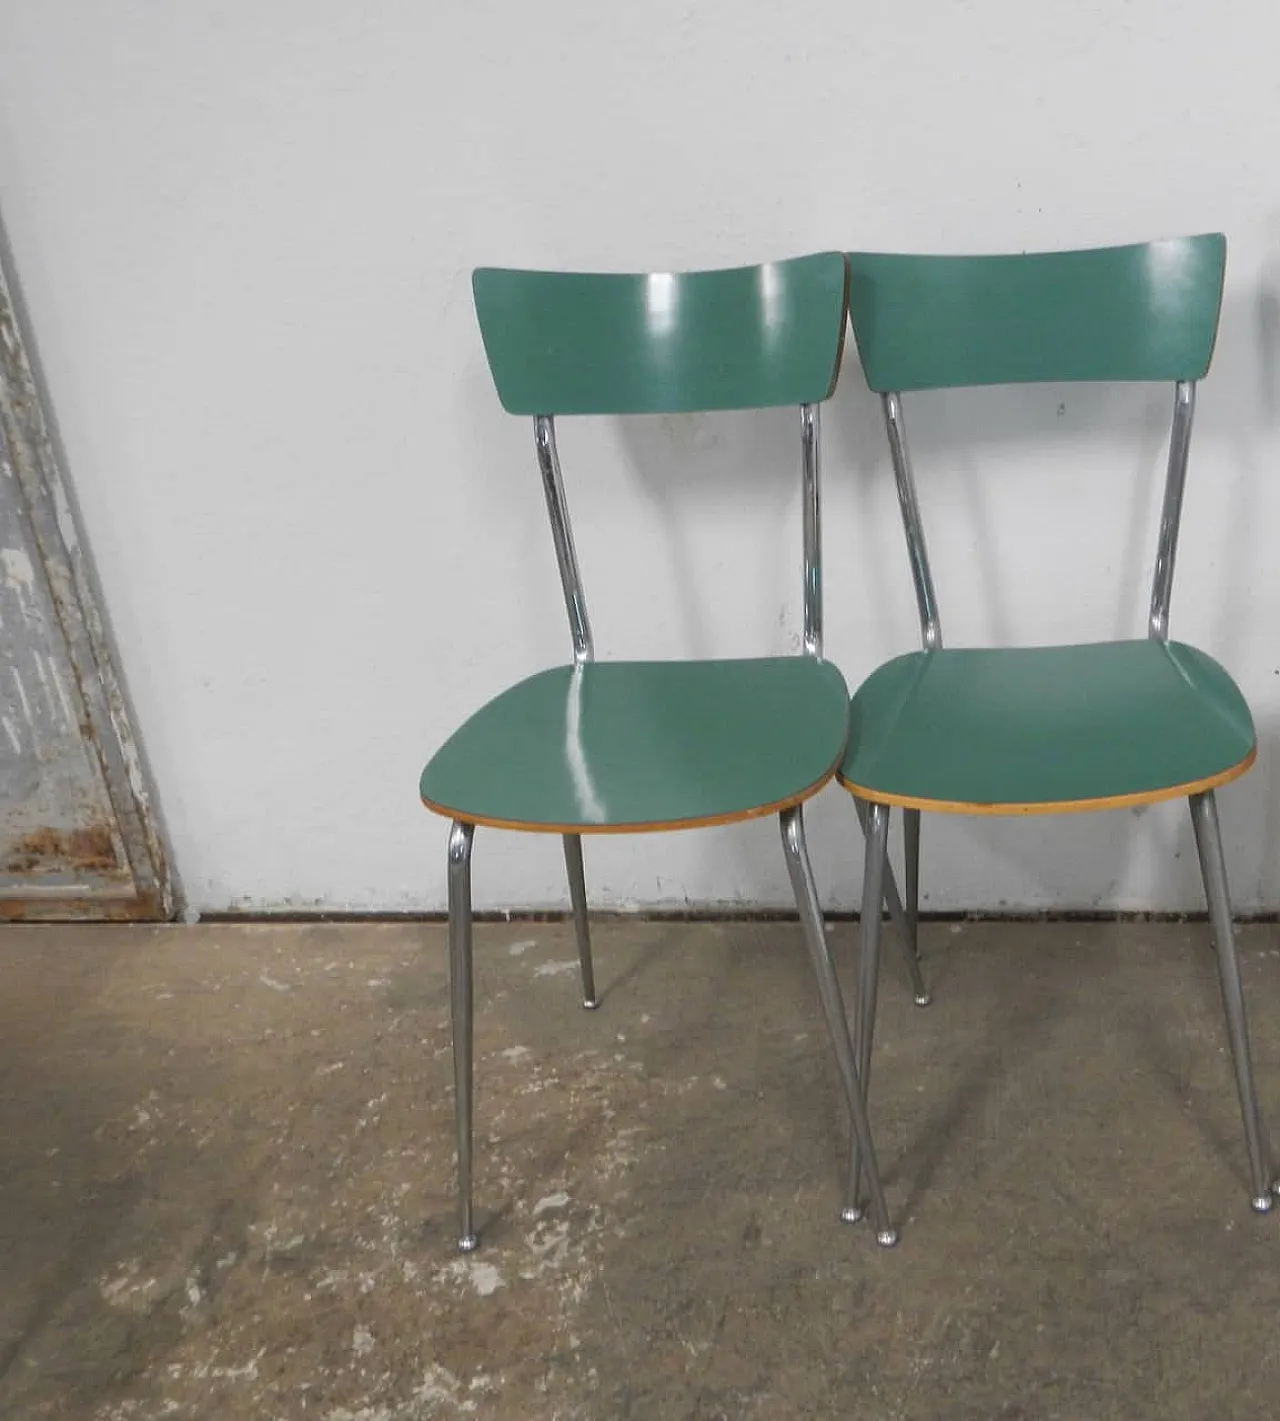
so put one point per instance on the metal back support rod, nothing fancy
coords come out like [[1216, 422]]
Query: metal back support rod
[[575, 604], [810, 438], [575, 600], [1184, 408], [926, 598]]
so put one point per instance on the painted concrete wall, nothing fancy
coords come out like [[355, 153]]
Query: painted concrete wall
[[245, 232]]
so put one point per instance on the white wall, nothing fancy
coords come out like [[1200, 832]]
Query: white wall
[[245, 233]]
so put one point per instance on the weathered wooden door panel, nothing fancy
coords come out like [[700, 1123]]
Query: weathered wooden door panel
[[77, 833]]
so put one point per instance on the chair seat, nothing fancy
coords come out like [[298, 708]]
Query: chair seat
[[1046, 728], [631, 745]]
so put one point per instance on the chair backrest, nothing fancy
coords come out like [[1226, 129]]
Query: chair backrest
[[1145, 312], [666, 343], [663, 343]]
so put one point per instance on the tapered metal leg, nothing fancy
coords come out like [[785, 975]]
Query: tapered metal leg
[[1204, 818], [877, 819], [462, 1005], [904, 915], [1204, 874], [793, 843], [581, 923], [911, 905]]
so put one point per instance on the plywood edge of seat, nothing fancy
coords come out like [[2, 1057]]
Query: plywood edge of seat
[[710, 821], [1055, 806]]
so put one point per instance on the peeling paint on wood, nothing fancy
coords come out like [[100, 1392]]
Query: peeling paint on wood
[[78, 837]]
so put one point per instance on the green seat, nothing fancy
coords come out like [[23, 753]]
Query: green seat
[[645, 745], [628, 746], [1044, 729]]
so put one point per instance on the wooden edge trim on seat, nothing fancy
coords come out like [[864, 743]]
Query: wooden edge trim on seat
[[654, 827], [1055, 806]]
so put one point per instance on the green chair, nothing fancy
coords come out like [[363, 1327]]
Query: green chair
[[635, 747], [1060, 728]]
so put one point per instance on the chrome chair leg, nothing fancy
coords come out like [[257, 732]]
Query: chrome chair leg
[[904, 915], [1204, 818], [462, 1005], [581, 923], [877, 816], [806, 893], [911, 904]]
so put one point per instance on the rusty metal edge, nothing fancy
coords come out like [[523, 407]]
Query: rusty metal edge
[[127, 908], [108, 729]]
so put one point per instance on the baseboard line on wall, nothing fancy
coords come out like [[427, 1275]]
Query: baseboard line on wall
[[715, 915]]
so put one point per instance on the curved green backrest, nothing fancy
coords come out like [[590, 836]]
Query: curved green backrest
[[1147, 312], [569, 343]]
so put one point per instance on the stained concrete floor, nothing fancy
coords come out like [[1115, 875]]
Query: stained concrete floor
[[226, 1154]]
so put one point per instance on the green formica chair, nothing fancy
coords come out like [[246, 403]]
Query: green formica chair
[[1050, 729], [637, 747]]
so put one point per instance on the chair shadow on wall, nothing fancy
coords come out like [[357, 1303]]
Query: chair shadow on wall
[[692, 470], [1245, 400], [1263, 381]]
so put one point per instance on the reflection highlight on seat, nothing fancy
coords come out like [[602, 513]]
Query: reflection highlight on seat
[[769, 280], [661, 300], [590, 806]]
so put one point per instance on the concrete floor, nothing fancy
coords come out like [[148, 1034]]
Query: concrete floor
[[226, 1156]]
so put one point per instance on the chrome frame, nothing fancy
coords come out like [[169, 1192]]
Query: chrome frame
[[1204, 814], [807, 903], [904, 910], [575, 599], [462, 1008], [581, 919], [904, 915], [921, 575], [1184, 405], [911, 907], [1184, 409], [461, 836], [791, 823], [875, 864], [810, 459], [1204, 820], [575, 604]]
